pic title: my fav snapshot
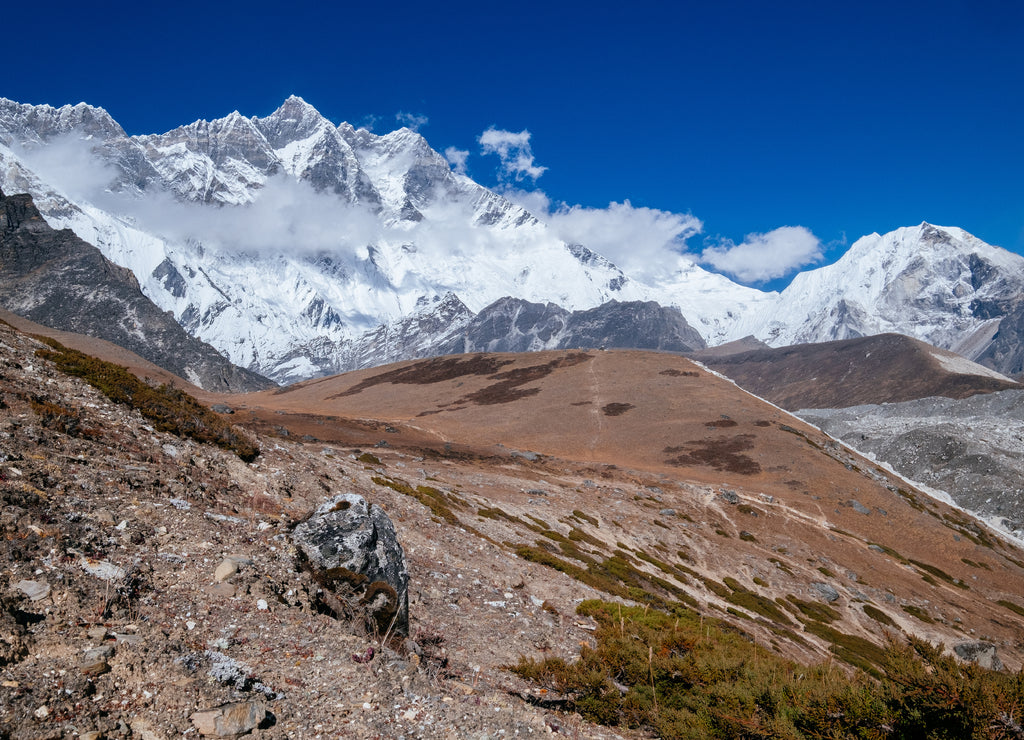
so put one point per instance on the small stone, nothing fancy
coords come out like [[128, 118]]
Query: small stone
[[982, 653], [261, 604], [226, 590], [103, 517], [34, 590], [42, 712], [667, 512], [859, 507], [227, 568], [229, 720], [97, 633], [94, 661], [825, 591], [91, 735]]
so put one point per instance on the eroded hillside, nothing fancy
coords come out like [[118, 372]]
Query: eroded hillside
[[519, 486]]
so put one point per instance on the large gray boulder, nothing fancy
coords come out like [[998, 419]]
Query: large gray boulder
[[351, 550]]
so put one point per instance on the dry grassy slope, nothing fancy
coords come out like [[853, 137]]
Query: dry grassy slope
[[103, 349], [636, 455], [755, 492], [886, 368]]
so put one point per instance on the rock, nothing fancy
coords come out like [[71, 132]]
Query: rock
[[230, 720], [667, 512], [144, 729], [226, 590], [225, 570], [982, 653], [352, 551], [94, 661], [34, 590], [97, 633], [859, 507], [825, 591]]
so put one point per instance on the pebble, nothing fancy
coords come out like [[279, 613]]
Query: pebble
[[229, 720], [227, 568], [94, 661], [34, 590]]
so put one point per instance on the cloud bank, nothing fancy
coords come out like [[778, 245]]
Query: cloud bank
[[762, 257], [514, 152], [290, 217]]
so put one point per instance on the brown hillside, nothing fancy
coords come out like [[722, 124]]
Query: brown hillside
[[886, 368], [518, 484], [678, 465]]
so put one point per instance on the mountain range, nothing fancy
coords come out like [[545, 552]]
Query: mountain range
[[299, 248]]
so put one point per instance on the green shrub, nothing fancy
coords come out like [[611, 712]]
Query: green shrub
[[169, 409]]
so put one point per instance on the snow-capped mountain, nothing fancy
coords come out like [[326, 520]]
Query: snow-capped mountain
[[938, 284], [298, 248], [288, 242]]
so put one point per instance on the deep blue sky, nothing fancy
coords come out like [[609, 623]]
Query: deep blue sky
[[842, 117]]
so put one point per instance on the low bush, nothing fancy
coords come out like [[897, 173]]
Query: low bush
[[678, 675], [169, 409]]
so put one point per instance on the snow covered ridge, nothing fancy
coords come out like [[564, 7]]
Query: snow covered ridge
[[296, 246]]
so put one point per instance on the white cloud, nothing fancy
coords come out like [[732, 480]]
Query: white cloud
[[414, 121], [68, 159], [285, 217], [641, 241], [514, 151], [767, 256], [536, 202], [457, 159]]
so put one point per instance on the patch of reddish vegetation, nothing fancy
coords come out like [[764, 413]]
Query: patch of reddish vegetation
[[616, 409], [436, 370], [723, 453], [720, 423]]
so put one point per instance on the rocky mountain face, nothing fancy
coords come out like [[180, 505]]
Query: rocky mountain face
[[297, 248], [56, 279], [972, 449], [513, 325]]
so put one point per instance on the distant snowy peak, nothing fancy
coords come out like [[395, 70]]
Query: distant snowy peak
[[938, 284], [37, 124]]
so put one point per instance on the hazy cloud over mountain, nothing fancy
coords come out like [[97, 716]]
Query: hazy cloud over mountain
[[762, 257]]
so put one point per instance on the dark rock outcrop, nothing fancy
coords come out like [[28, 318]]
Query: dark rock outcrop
[[56, 279], [982, 653], [351, 549], [515, 325]]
